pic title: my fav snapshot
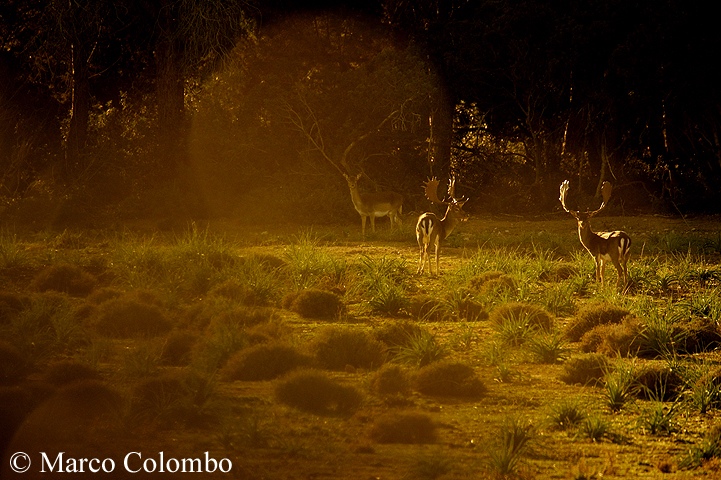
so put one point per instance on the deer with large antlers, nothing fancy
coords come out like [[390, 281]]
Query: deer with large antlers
[[603, 246], [431, 230], [372, 205]]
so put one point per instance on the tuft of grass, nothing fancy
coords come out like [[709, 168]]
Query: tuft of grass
[[313, 303], [335, 348], [585, 369], [518, 312], [567, 414], [595, 427], [264, 362], [592, 315], [314, 391], [513, 440], [390, 379], [64, 278], [129, 318], [449, 378], [406, 428], [708, 449], [177, 348], [420, 349], [549, 348], [65, 372], [619, 387]]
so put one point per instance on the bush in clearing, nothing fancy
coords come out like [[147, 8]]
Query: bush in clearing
[[313, 303], [334, 348], [406, 428], [65, 372], [64, 278], [104, 294], [449, 378], [272, 330], [585, 369], [314, 391], [264, 362], [178, 347], [244, 316], [513, 311], [592, 315], [390, 379], [129, 318], [614, 339]]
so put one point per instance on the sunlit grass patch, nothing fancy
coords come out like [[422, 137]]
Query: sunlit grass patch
[[314, 391]]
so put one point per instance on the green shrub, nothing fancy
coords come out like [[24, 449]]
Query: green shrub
[[314, 391], [592, 315], [264, 362], [406, 428], [420, 350], [390, 379], [64, 278], [313, 303], [449, 378], [657, 382], [493, 282], [334, 348], [584, 369], [128, 318]]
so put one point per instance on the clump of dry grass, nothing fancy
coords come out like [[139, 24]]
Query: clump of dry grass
[[492, 282], [264, 362], [394, 334], [390, 379], [427, 308], [314, 303], [335, 348], [13, 365], [10, 305], [127, 317], [449, 378], [314, 391], [658, 382], [536, 316], [407, 428], [700, 334], [178, 347], [614, 339], [65, 372], [64, 278], [592, 315], [585, 369]]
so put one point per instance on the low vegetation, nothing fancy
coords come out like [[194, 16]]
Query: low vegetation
[[307, 352]]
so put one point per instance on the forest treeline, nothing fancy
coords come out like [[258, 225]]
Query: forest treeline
[[253, 109]]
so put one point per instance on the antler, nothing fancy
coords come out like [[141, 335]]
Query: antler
[[562, 198], [431, 188], [606, 188]]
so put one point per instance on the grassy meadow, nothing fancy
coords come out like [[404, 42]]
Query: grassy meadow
[[299, 353]]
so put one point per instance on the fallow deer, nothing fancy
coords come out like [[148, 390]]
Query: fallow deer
[[431, 230], [372, 205], [603, 246]]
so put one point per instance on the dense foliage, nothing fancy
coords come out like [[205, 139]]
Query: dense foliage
[[190, 109]]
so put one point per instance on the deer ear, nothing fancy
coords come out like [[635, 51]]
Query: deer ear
[[606, 191], [357, 177]]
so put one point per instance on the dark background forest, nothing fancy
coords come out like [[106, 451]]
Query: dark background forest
[[251, 110]]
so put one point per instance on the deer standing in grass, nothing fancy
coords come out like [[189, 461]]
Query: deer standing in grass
[[431, 230], [372, 205], [603, 246]]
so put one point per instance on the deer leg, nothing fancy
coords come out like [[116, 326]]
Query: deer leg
[[438, 268], [373, 222], [421, 260], [622, 273], [363, 224], [599, 269]]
